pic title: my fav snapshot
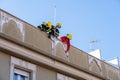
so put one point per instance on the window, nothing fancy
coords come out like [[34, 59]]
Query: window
[[21, 75], [22, 70]]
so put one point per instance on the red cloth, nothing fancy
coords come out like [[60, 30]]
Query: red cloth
[[65, 40]]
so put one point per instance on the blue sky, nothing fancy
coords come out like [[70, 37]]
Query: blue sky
[[85, 19]]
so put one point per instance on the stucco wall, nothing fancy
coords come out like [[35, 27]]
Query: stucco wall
[[112, 73], [60, 52], [78, 57], [4, 66], [45, 74], [22, 31], [37, 39], [12, 30]]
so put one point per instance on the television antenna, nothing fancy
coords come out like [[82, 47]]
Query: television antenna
[[92, 44]]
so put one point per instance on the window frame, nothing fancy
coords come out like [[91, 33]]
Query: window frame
[[19, 65], [64, 77]]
